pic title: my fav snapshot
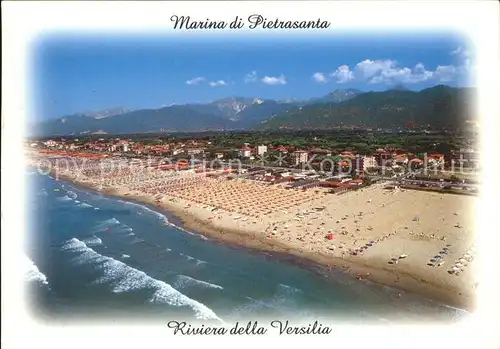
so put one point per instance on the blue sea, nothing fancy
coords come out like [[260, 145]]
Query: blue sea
[[100, 257]]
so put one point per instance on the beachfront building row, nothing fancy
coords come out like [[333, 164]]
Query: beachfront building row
[[382, 158]]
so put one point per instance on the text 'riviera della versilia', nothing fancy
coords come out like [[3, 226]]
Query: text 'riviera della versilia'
[[250, 328]]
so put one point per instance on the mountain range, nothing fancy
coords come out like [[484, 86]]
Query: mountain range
[[439, 106], [105, 113]]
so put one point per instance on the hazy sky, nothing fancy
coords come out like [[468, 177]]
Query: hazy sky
[[79, 73]]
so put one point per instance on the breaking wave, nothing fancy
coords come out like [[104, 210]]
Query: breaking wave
[[186, 281], [108, 223], [124, 278], [64, 198], [32, 273], [71, 194], [92, 241], [160, 216], [188, 257], [284, 299], [136, 241]]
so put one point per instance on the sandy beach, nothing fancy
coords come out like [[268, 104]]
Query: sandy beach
[[387, 236]]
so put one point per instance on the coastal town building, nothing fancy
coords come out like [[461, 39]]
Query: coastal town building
[[369, 162], [465, 158], [300, 157], [358, 165], [261, 150], [319, 151], [400, 159], [362, 164], [195, 151], [50, 143], [384, 158], [283, 149], [415, 163], [245, 152]]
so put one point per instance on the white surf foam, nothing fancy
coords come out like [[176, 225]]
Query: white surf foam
[[125, 278], [64, 198], [188, 257], [71, 194], [32, 273], [160, 216], [457, 312], [289, 289], [112, 222], [136, 241], [85, 205], [93, 241], [186, 281], [282, 300]]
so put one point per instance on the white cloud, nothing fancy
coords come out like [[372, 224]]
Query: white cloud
[[445, 73], [389, 72], [368, 69], [195, 81], [461, 52], [342, 74], [200, 80], [217, 83], [251, 77], [456, 51], [319, 77], [274, 80]]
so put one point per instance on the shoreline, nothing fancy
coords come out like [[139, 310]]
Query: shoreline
[[324, 265], [314, 262]]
